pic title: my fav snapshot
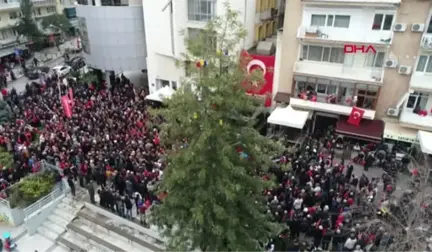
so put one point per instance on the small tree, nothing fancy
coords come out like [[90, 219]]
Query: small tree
[[27, 25], [5, 112], [57, 20], [212, 180]]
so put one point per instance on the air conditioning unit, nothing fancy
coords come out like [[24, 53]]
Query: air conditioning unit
[[417, 27], [390, 63], [392, 112], [399, 27], [405, 70]]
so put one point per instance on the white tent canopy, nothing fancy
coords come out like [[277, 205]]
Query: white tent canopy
[[425, 140], [288, 117], [161, 94]]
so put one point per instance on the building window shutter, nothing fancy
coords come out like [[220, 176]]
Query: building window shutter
[[258, 6], [257, 33]]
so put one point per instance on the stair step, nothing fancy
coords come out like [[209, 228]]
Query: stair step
[[58, 220], [86, 240], [44, 231], [59, 248], [63, 214], [72, 206], [53, 227], [72, 243]]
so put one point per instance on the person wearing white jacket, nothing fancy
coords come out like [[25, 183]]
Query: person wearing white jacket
[[350, 242]]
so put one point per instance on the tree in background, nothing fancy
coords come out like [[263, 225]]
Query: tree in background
[[27, 25], [212, 178], [59, 21]]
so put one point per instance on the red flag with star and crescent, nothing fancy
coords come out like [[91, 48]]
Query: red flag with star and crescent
[[265, 64], [356, 116]]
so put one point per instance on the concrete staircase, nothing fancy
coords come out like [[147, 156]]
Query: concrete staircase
[[55, 226], [83, 227]]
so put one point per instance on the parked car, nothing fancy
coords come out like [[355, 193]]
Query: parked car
[[76, 63], [32, 73], [62, 71]]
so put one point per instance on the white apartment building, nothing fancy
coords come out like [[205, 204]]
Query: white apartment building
[[10, 13], [167, 23], [388, 84]]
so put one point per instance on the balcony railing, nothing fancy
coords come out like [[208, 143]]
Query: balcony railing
[[344, 35], [421, 81], [340, 71]]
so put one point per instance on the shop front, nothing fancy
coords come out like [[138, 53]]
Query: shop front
[[289, 124]]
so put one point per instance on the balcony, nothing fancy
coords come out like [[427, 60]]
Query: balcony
[[421, 81], [412, 120], [328, 108], [339, 71], [343, 35], [426, 42]]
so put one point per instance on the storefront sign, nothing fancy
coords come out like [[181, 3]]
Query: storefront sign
[[401, 138]]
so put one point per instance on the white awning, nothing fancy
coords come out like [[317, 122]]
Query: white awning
[[288, 117], [395, 131], [159, 95], [425, 140]]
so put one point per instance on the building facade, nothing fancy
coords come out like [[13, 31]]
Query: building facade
[[167, 23], [370, 54], [112, 34], [10, 14]]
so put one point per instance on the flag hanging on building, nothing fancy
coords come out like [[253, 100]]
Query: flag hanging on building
[[265, 64], [356, 116]]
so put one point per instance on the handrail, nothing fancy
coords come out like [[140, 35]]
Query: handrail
[[44, 166], [42, 202]]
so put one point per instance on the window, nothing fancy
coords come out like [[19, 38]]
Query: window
[[417, 100], [366, 96], [13, 15], [342, 21], [39, 12], [339, 21], [424, 64], [324, 54], [174, 85], [382, 22], [375, 59], [429, 28], [50, 9], [318, 20], [201, 10]]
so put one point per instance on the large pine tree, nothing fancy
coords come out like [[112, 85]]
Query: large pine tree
[[214, 200]]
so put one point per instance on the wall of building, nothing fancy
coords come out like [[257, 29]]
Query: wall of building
[[360, 24], [116, 37], [289, 45], [404, 49], [161, 59]]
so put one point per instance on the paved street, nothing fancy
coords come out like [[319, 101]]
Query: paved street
[[19, 83]]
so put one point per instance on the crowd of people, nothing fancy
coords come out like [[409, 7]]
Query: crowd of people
[[112, 141], [325, 206], [110, 138]]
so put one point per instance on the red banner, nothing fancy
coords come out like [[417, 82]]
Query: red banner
[[356, 116], [71, 97], [67, 109], [265, 64]]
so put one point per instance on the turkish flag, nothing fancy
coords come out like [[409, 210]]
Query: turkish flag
[[356, 116], [265, 64]]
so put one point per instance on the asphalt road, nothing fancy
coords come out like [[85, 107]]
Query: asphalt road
[[20, 83]]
